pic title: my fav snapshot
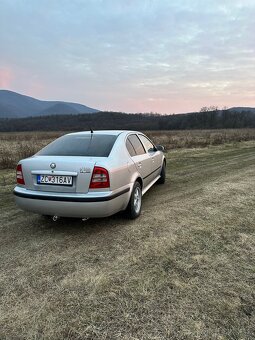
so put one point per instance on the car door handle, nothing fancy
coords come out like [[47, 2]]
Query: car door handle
[[152, 158], [139, 164]]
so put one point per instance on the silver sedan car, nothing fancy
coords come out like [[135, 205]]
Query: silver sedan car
[[90, 174]]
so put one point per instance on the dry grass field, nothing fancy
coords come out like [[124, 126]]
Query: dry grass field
[[15, 146], [184, 270]]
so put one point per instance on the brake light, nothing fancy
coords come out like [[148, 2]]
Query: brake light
[[19, 175], [100, 178]]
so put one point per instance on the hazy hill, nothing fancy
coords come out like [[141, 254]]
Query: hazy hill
[[15, 105], [242, 109], [58, 109]]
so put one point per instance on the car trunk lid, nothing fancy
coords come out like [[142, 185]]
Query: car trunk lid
[[68, 173]]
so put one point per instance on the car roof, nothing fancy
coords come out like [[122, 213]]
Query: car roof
[[103, 132]]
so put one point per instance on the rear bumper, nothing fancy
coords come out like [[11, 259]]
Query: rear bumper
[[92, 204]]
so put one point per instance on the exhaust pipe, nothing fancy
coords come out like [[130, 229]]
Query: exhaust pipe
[[55, 218]]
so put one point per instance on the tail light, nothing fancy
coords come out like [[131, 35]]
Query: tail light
[[19, 175], [100, 178]]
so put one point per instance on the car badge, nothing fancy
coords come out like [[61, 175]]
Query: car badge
[[85, 170], [53, 165]]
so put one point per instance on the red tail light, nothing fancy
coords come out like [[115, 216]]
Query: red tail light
[[19, 175], [100, 178]]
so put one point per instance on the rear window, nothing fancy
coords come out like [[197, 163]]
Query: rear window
[[80, 145]]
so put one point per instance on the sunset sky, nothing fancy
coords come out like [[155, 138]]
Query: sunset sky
[[133, 56]]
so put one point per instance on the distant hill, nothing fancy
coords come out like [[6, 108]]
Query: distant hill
[[15, 105], [242, 109], [58, 109], [23, 113]]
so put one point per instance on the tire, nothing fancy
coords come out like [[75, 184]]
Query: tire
[[135, 203], [162, 178]]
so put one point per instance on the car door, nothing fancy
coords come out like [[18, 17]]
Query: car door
[[140, 157], [155, 156]]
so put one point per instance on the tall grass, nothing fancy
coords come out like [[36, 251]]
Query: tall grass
[[16, 146], [200, 138]]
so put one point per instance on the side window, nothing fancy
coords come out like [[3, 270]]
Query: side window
[[130, 148], [148, 144], [137, 145]]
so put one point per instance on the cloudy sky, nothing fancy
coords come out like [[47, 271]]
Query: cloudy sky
[[164, 56]]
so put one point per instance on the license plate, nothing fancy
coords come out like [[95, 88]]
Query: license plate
[[57, 180]]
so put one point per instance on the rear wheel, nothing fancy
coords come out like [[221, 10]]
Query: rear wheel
[[135, 203], [162, 178]]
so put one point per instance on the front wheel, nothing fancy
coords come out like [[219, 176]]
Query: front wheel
[[135, 204]]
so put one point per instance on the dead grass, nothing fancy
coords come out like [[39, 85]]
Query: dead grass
[[183, 270], [200, 138], [15, 146]]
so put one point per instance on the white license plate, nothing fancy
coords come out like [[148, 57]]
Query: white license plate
[[57, 180]]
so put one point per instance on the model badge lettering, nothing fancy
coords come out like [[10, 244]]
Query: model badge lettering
[[85, 170]]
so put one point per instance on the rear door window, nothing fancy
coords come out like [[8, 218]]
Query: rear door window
[[91, 145], [137, 145], [147, 143], [130, 148]]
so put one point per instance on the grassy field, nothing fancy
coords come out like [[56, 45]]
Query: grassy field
[[184, 270], [15, 146]]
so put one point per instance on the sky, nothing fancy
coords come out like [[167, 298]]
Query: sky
[[164, 56]]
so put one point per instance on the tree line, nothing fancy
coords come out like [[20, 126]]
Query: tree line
[[207, 118]]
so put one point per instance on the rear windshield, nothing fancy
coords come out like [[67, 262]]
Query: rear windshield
[[80, 145]]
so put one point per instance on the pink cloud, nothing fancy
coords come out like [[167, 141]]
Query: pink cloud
[[6, 77]]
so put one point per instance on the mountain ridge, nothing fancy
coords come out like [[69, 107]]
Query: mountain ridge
[[242, 109], [16, 105]]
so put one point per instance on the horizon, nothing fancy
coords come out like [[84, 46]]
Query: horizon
[[130, 57], [209, 108]]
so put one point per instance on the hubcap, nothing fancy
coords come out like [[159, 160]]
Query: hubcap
[[137, 200]]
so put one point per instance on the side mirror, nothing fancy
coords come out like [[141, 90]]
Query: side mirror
[[160, 148]]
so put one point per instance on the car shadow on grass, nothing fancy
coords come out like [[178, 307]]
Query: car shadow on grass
[[77, 225]]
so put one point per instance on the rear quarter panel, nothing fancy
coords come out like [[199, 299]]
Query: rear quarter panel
[[118, 165]]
